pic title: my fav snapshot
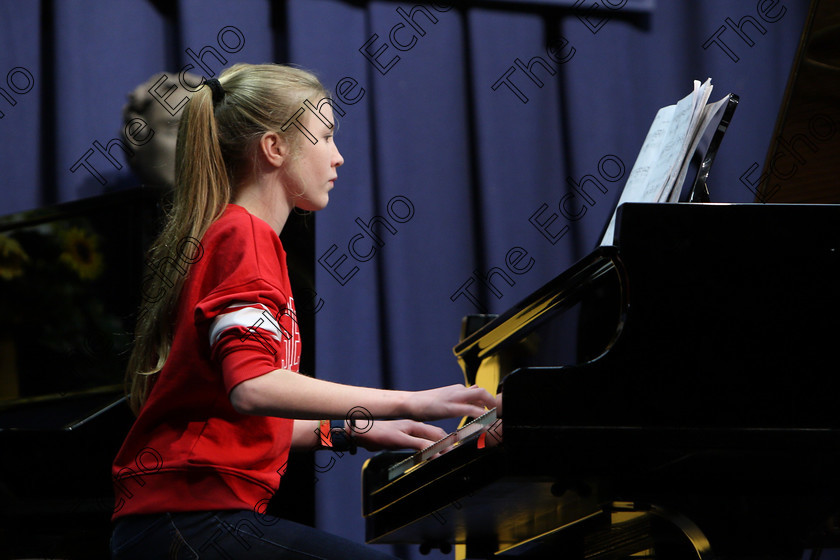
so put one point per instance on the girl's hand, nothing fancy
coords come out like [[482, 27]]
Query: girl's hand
[[449, 402], [397, 434]]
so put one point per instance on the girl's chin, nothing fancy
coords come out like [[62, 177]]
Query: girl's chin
[[313, 206]]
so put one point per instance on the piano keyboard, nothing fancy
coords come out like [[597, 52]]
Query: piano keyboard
[[465, 433]]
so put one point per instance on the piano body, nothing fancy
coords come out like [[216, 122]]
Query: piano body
[[63, 396], [693, 417], [671, 396]]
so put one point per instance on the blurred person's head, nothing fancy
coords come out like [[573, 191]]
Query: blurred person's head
[[154, 161]]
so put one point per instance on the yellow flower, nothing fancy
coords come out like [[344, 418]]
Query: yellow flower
[[80, 253], [12, 258]]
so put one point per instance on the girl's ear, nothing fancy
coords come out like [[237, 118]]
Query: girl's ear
[[273, 148]]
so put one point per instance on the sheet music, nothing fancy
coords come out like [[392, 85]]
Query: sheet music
[[662, 162], [708, 114], [690, 135], [636, 188], [674, 151]]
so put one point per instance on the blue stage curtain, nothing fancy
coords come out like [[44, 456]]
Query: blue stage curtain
[[451, 162]]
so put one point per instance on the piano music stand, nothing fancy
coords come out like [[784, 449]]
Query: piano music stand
[[707, 149]]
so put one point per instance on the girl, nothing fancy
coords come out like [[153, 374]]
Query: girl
[[213, 372]]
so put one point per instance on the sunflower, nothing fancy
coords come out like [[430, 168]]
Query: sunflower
[[12, 258], [80, 253]]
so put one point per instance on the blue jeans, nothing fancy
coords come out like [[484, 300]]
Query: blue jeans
[[229, 534]]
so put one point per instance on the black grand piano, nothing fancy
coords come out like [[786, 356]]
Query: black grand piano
[[671, 396], [695, 416]]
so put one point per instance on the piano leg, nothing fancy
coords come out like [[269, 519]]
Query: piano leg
[[678, 532]]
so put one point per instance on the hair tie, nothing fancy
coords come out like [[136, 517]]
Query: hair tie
[[217, 89]]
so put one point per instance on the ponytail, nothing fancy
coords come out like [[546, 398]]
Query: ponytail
[[201, 194]]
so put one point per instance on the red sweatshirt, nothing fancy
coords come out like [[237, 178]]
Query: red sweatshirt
[[188, 449]]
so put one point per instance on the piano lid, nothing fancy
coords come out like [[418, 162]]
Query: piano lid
[[802, 163]]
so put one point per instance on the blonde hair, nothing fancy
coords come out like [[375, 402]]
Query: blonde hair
[[216, 150]]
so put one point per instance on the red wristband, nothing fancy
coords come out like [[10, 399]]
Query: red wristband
[[324, 436]]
